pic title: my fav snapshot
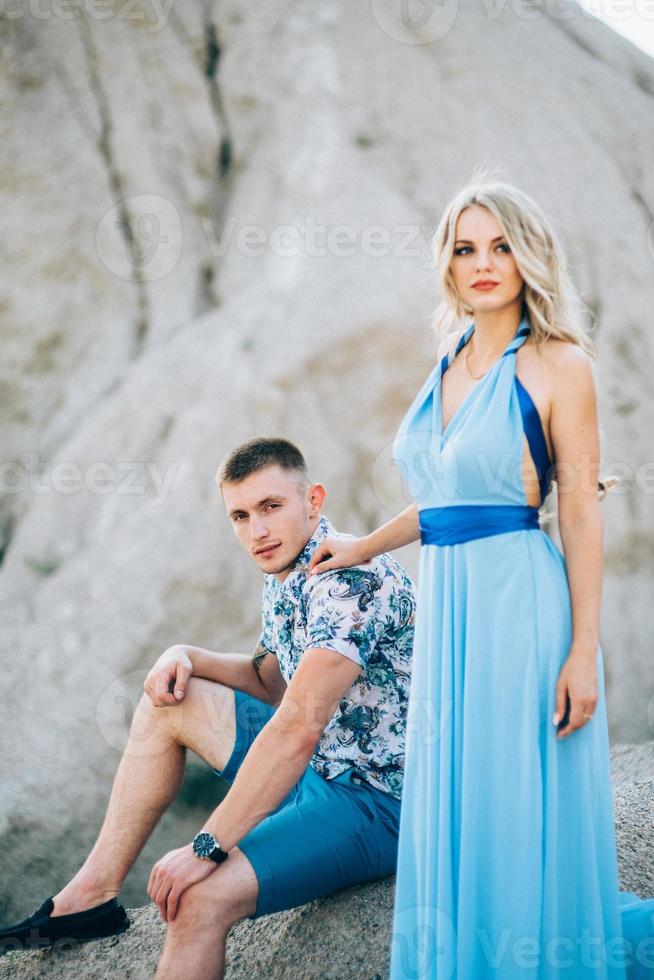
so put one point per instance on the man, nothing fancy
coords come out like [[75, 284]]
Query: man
[[310, 733]]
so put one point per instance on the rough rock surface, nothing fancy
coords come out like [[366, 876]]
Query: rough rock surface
[[143, 335]]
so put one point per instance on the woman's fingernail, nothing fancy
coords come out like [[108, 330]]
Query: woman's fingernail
[[555, 719]]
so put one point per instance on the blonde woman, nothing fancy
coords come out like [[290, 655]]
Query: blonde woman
[[507, 861]]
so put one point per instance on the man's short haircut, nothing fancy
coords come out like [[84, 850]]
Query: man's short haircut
[[256, 454]]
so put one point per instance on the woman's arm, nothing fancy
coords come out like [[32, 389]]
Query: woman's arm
[[345, 552], [575, 441], [396, 533]]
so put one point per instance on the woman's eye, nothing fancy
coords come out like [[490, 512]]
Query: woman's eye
[[466, 248]]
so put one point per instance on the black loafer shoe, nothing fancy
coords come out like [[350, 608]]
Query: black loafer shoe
[[40, 929]]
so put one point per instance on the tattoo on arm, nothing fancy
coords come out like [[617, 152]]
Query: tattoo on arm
[[259, 656]]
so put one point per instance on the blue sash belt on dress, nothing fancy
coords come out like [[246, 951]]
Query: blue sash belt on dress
[[464, 522]]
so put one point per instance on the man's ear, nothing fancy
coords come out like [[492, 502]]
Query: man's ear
[[316, 496]]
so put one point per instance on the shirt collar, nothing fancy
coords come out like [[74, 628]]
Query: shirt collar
[[324, 528]]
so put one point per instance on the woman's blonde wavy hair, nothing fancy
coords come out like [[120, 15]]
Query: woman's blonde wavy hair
[[553, 304]]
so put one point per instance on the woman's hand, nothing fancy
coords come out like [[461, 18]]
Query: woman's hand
[[166, 682], [338, 553], [577, 681]]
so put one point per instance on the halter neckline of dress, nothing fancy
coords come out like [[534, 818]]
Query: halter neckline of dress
[[456, 523], [523, 330], [532, 423]]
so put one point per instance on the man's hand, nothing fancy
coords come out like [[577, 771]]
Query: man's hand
[[172, 875], [166, 682]]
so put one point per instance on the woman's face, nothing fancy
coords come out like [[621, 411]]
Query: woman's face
[[482, 255]]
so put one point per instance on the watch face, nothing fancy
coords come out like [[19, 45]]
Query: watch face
[[203, 844]]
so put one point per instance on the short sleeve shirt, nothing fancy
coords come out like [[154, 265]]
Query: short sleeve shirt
[[365, 613]]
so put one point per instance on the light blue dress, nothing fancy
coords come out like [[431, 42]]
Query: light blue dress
[[507, 863]]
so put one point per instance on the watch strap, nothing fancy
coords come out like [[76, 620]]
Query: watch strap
[[218, 855]]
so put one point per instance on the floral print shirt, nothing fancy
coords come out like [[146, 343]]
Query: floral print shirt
[[365, 613]]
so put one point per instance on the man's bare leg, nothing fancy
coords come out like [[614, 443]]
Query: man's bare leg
[[147, 780], [196, 937]]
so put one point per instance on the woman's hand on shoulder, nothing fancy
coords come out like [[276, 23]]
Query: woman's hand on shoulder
[[338, 552]]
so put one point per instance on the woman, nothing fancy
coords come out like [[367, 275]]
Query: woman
[[507, 861]]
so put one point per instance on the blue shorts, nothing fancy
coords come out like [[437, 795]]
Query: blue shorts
[[325, 834]]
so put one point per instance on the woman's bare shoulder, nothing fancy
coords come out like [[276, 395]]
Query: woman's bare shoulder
[[552, 370], [558, 358]]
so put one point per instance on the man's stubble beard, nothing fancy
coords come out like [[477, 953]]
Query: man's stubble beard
[[287, 566]]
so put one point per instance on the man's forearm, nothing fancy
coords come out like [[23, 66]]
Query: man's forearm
[[235, 670], [260, 785]]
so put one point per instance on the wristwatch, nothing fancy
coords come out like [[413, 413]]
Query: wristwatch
[[206, 847]]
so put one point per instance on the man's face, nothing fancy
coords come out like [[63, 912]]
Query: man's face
[[273, 516]]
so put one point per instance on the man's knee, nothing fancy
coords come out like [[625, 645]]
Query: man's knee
[[205, 701], [216, 903], [205, 714], [203, 721]]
